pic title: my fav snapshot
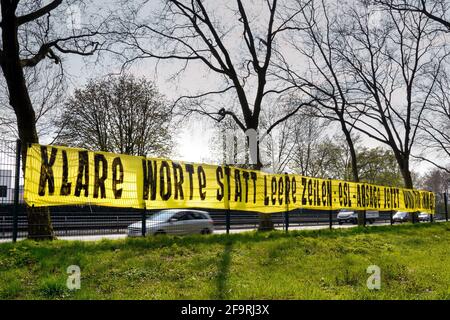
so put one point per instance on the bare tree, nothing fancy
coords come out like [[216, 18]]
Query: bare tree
[[232, 41], [47, 87], [118, 114], [394, 62], [435, 128], [321, 76], [239, 52], [436, 180], [33, 32], [436, 10]]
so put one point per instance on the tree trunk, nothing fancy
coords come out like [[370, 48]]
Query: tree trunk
[[354, 160], [39, 222], [403, 162], [265, 219]]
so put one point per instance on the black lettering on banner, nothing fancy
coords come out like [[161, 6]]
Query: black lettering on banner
[[330, 192], [432, 202], [83, 170], [397, 197], [178, 180], [324, 193], [287, 184], [379, 197], [99, 182], [274, 190], [365, 196], [417, 200], [406, 199], [190, 171], [246, 176], [117, 165], [316, 193], [237, 185], [310, 191], [254, 177], [221, 189], [426, 200], [392, 198], [304, 185], [358, 196], [266, 198], [150, 169], [344, 195], [201, 182], [228, 174], [294, 190], [66, 186], [47, 171], [165, 183], [280, 190], [347, 194], [386, 199]]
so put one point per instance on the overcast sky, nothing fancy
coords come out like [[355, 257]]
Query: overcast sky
[[193, 136]]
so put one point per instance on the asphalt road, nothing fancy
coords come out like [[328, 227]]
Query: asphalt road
[[220, 231]]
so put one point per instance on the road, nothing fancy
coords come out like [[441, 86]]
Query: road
[[220, 231]]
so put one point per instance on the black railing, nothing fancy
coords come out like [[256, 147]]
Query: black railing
[[69, 221]]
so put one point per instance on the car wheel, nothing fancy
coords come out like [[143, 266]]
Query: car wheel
[[340, 223], [205, 231]]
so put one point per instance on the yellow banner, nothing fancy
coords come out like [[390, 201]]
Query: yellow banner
[[67, 176]]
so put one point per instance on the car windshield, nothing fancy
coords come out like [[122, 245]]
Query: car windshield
[[162, 216]]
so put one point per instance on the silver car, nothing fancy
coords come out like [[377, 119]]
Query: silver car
[[400, 216], [424, 216], [346, 215], [174, 221]]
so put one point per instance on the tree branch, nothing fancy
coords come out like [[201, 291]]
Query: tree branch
[[38, 13]]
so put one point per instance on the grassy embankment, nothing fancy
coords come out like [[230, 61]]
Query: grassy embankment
[[414, 262]]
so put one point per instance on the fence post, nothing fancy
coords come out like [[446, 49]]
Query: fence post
[[226, 201], [227, 220], [144, 219], [330, 218], [286, 189], [16, 190], [330, 212], [365, 218], [391, 218], [446, 205]]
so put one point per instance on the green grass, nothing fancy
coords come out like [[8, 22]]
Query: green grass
[[414, 262]]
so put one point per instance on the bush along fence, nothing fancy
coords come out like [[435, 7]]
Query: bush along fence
[[94, 193]]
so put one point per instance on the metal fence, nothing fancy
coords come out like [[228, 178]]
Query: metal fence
[[93, 222]]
